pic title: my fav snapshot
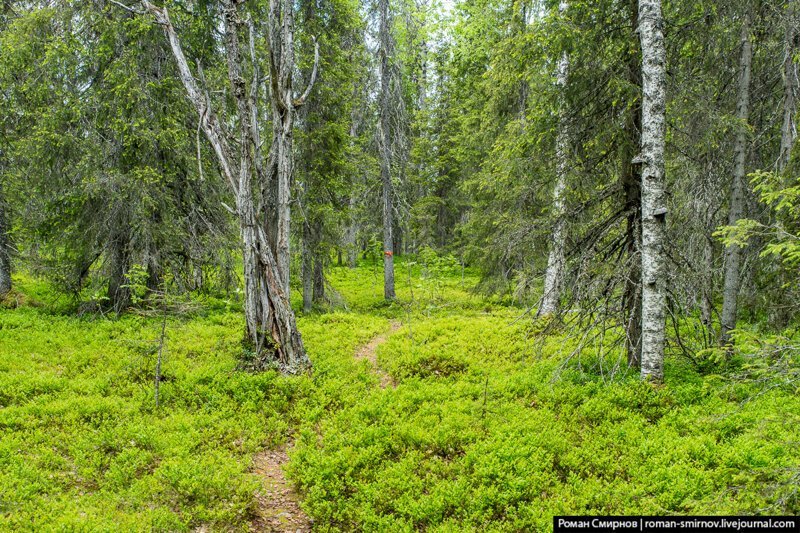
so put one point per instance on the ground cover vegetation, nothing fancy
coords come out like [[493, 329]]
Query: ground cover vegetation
[[471, 264], [483, 426]]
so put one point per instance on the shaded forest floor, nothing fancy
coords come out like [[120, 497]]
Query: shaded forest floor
[[441, 411]]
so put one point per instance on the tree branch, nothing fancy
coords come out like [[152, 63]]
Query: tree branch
[[302, 100], [127, 8]]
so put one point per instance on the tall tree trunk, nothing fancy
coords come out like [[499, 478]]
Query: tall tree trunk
[[554, 275], [790, 83], [631, 178], [5, 223], [780, 310], [385, 147], [733, 254], [5, 247], [271, 331], [653, 188]]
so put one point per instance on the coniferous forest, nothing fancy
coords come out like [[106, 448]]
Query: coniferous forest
[[397, 265]]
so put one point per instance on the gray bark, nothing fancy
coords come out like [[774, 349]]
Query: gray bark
[[790, 83], [733, 254], [654, 209], [271, 330], [281, 162], [384, 143], [554, 275]]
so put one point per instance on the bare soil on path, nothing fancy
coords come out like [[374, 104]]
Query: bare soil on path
[[278, 504]]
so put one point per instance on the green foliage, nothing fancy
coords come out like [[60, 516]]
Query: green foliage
[[100, 158], [781, 236]]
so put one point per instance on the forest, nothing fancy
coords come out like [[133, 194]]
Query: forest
[[397, 265]]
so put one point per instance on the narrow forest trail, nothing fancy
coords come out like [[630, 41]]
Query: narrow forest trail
[[367, 352], [278, 504]]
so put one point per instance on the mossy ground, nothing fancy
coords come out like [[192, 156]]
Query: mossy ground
[[476, 435]]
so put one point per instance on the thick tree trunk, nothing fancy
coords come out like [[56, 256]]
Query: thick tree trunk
[[554, 275], [733, 254], [272, 332], [631, 178], [386, 150], [5, 248], [653, 188], [284, 170]]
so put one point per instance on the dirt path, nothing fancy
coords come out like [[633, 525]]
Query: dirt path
[[278, 504], [368, 352]]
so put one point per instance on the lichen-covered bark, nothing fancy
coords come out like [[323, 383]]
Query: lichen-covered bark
[[654, 209]]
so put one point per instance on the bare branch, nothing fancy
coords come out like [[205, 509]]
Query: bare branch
[[127, 8], [302, 100]]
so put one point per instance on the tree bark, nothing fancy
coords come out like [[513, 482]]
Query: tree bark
[[653, 189], [318, 276], [733, 254], [312, 266], [384, 143], [790, 83], [5, 247], [554, 275], [307, 268], [119, 295], [351, 233], [270, 331]]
